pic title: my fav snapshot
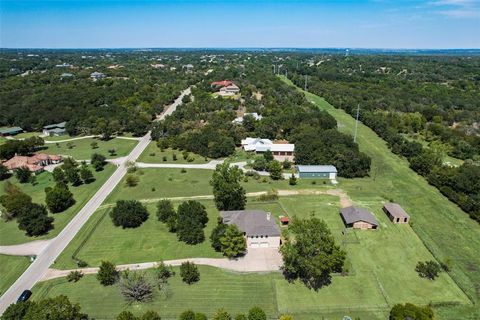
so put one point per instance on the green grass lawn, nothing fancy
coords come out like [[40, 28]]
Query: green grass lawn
[[442, 226], [149, 242], [9, 232], [153, 154], [82, 150], [235, 292], [11, 267]]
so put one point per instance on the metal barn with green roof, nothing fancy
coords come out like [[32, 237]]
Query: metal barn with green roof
[[317, 172]]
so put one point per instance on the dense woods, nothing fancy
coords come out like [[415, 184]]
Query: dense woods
[[426, 108]]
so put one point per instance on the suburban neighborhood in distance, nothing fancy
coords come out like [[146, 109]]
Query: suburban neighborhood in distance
[[235, 183]]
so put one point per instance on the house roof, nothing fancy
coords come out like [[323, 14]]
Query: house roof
[[356, 214], [10, 130], [56, 125], [222, 83], [396, 210], [252, 222], [30, 162], [276, 147], [316, 168]]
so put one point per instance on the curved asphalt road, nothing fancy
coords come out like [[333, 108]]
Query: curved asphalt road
[[39, 267]]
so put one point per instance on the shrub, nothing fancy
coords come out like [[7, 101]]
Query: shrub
[[183, 170], [174, 157], [189, 272], [164, 158], [82, 263], [107, 274], [131, 180], [271, 195], [23, 174], [292, 180], [135, 286], [74, 276], [256, 313]]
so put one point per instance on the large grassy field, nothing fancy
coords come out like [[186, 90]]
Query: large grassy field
[[9, 232], [11, 267], [82, 150], [442, 226], [379, 261], [153, 154], [216, 289]]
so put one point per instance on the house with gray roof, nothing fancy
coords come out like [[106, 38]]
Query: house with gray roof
[[10, 131], [258, 226], [358, 218], [395, 213], [56, 129], [317, 171]]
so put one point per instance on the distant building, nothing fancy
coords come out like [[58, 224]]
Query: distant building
[[66, 75], [239, 120], [280, 151], [358, 218], [11, 131], [229, 90], [97, 75], [320, 171], [35, 163], [258, 227], [157, 66], [55, 129], [395, 213]]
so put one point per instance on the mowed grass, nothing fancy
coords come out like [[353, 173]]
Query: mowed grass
[[150, 242], [153, 154], [217, 288], [11, 267], [82, 149], [442, 226], [9, 232]]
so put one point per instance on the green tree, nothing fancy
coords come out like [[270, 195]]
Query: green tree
[[34, 220], [59, 175], [260, 164], [23, 174], [14, 200], [74, 276], [275, 170], [98, 161], [200, 316], [4, 173], [216, 234], [310, 253], [57, 308], [227, 190], [256, 313], [241, 317], [72, 175], [233, 242], [411, 311], [221, 314], [189, 272], [107, 273], [94, 145], [192, 218], [131, 180], [129, 214], [292, 180], [150, 315], [17, 311], [86, 174], [268, 155], [428, 269], [126, 315], [187, 315], [58, 198], [165, 210]]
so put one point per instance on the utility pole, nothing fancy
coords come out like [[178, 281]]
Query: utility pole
[[305, 88], [356, 123]]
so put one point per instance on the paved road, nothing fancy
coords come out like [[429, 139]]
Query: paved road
[[171, 108], [39, 267], [256, 260]]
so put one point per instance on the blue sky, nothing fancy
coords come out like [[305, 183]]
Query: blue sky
[[281, 23]]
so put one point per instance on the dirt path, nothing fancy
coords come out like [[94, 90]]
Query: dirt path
[[256, 260]]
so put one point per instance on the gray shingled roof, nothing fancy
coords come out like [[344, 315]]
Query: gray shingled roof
[[355, 214], [395, 210], [252, 222]]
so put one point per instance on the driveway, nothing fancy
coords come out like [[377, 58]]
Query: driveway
[[32, 248], [256, 260]]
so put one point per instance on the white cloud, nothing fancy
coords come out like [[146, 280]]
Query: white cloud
[[457, 8]]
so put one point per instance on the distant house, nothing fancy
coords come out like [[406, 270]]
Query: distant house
[[222, 83], [188, 67], [97, 75], [250, 144], [259, 228], [35, 163], [280, 151], [320, 171], [395, 213], [239, 120], [66, 75], [358, 218], [11, 131], [229, 90], [56, 129]]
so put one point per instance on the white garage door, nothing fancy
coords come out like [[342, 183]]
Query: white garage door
[[263, 244], [254, 244]]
